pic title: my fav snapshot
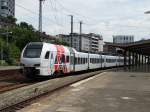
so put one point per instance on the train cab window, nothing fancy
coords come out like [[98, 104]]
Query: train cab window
[[47, 55], [33, 51]]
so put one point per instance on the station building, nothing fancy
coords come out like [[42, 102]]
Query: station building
[[123, 39], [85, 42]]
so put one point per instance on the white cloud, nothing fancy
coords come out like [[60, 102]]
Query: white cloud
[[106, 17]]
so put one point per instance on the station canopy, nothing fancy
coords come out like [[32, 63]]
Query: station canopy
[[140, 47]]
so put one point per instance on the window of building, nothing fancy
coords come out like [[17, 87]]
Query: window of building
[[3, 3], [4, 7]]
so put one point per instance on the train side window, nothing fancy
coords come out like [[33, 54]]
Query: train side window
[[76, 59], [63, 58], [79, 60], [67, 59], [82, 60], [72, 59], [47, 55]]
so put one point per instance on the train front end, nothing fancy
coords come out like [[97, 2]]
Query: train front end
[[31, 59]]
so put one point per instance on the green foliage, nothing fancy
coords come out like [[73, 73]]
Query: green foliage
[[22, 36], [3, 63], [13, 54], [10, 53], [25, 25], [18, 36], [9, 19]]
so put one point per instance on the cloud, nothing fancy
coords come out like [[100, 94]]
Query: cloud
[[106, 17]]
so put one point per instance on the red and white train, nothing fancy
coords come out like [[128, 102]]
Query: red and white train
[[45, 59]]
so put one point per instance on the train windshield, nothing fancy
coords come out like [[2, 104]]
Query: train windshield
[[33, 51]]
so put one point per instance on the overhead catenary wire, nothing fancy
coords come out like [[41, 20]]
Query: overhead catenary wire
[[37, 14], [68, 11]]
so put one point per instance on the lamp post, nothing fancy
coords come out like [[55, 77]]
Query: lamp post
[[7, 36], [1, 53], [1, 45]]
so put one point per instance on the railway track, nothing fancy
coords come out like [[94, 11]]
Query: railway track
[[12, 79]]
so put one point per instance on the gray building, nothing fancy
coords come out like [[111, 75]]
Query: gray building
[[75, 40], [96, 42], [85, 42], [123, 39], [7, 8]]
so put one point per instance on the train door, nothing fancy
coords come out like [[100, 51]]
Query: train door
[[45, 62], [72, 59], [100, 62], [105, 61], [72, 62], [51, 63]]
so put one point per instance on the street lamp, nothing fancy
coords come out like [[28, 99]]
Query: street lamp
[[1, 51], [1, 46], [7, 36]]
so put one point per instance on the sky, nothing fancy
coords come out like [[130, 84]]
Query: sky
[[104, 17]]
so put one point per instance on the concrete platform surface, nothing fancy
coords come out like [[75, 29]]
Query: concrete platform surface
[[106, 92], [9, 67]]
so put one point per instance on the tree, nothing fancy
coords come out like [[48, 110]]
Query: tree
[[22, 36], [8, 20], [26, 25], [11, 20]]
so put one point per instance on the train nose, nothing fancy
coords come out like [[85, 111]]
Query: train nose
[[31, 71]]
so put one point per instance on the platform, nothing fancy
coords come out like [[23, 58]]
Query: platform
[[9, 67], [115, 91]]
